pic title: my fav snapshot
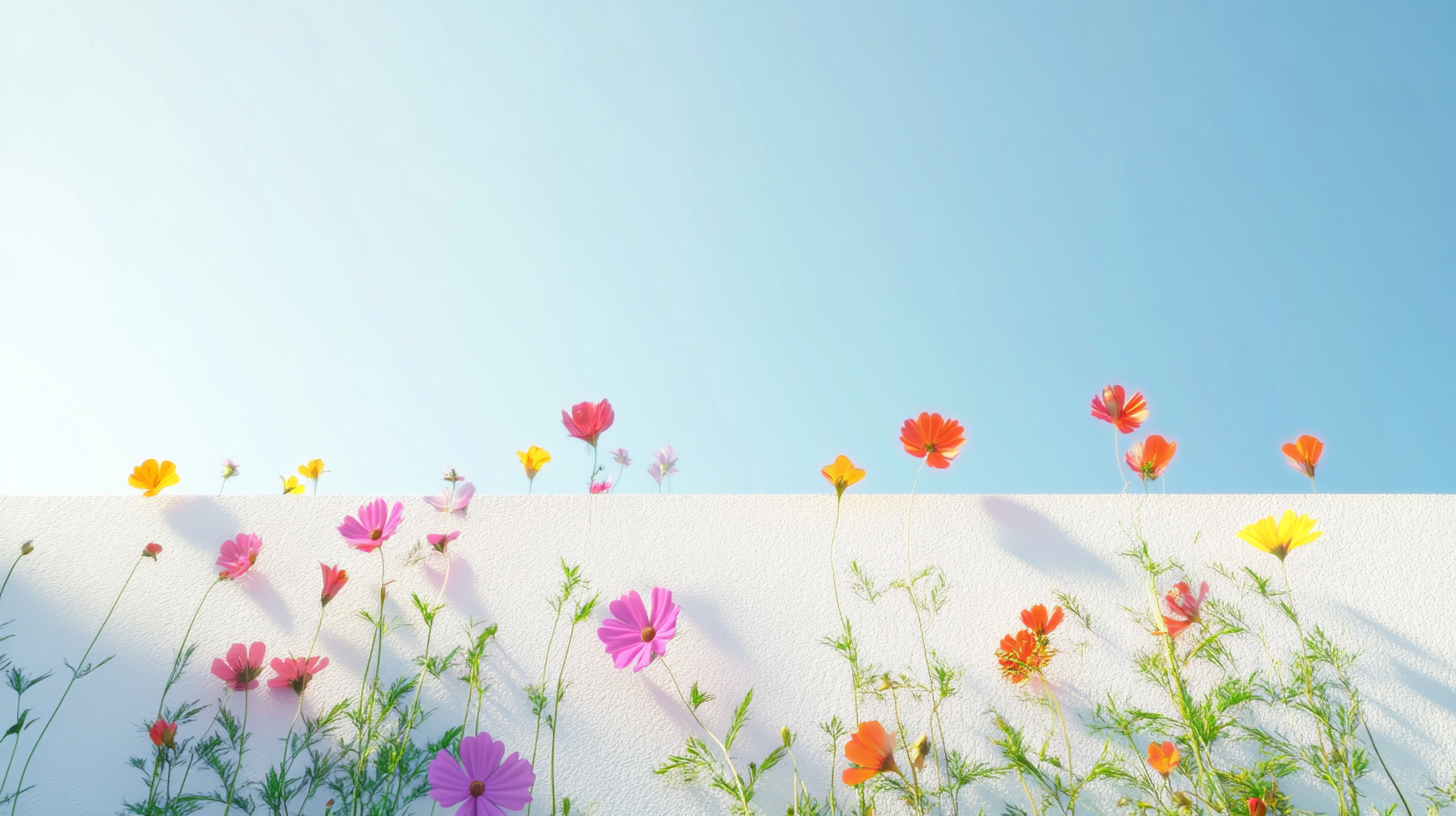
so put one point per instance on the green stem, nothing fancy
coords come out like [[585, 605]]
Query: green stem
[[920, 624], [737, 780], [182, 650], [11, 572], [545, 666], [242, 747], [556, 709], [843, 622], [1066, 738]]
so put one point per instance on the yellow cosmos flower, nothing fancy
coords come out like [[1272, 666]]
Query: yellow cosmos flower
[[842, 473], [292, 486], [532, 459], [1278, 539], [312, 469], [152, 477]]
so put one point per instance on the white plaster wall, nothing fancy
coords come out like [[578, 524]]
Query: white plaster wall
[[751, 575]]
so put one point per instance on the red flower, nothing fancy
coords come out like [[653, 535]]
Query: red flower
[[1304, 454], [163, 733], [932, 438], [334, 580], [151, 550], [1124, 414], [1257, 807], [1150, 457], [587, 421], [1037, 621], [1022, 655], [1183, 606], [242, 666], [871, 752]]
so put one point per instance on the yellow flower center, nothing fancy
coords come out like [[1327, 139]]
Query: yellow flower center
[[376, 535]]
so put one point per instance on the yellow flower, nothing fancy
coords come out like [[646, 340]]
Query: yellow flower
[[532, 459], [842, 474], [312, 470], [291, 486], [1278, 539], [151, 477]]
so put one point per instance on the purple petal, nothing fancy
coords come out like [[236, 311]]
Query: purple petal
[[464, 495], [664, 611], [448, 783], [438, 502], [629, 609], [353, 530], [510, 786], [396, 515], [481, 756]]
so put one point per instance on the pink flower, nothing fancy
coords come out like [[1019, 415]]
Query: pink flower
[[163, 733], [376, 523], [239, 556], [241, 668], [1183, 607], [601, 487], [486, 785], [334, 580], [621, 457], [439, 541], [151, 550], [447, 503], [294, 673], [587, 421], [666, 465], [632, 637]]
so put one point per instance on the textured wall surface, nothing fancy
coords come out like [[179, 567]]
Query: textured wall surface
[[752, 575]]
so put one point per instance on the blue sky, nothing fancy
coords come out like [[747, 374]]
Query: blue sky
[[405, 236]]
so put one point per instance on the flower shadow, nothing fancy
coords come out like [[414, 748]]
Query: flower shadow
[[200, 520], [1040, 543]]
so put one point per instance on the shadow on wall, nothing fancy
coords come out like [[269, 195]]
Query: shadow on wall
[[1040, 543]]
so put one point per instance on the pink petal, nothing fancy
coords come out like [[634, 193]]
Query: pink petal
[[448, 783]]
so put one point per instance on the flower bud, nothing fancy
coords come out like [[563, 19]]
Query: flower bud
[[1183, 800], [884, 684], [787, 736], [382, 591], [151, 550], [26, 548], [919, 751]]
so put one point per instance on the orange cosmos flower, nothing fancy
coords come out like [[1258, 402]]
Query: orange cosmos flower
[[1304, 454], [1124, 414], [1038, 622], [1022, 655], [933, 438], [1163, 758], [1150, 457], [871, 752], [152, 477], [842, 473]]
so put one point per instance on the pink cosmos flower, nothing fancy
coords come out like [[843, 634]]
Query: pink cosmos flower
[[666, 464], [447, 503], [376, 523], [238, 556], [601, 487], [439, 541], [486, 785], [1183, 607], [632, 637], [241, 668], [163, 733], [294, 673], [621, 457], [587, 421], [334, 580]]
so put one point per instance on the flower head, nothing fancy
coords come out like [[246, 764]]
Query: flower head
[[1023, 655], [152, 477], [621, 457], [294, 673], [152, 550], [533, 459], [312, 470], [229, 468], [440, 540], [1183, 607], [870, 752], [163, 733], [1257, 806], [601, 487], [1163, 758], [237, 556], [375, 524], [633, 637], [242, 666], [587, 421], [932, 438], [456, 503], [664, 464], [919, 750], [842, 473], [486, 784], [1150, 457], [1278, 539], [334, 580], [449, 475], [1037, 620], [1304, 454], [292, 486], [1114, 407]]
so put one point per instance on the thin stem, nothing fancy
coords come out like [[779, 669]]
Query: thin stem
[[843, 622], [556, 708], [242, 746], [737, 780], [1383, 766], [429, 637], [1032, 799], [182, 650], [8, 574], [1066, 738], [1315, 491], [1309, 683], [1117, 456], [920, 624], [75, 674], [298, 711]]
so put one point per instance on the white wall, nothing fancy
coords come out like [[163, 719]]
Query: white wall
[[751, 575]]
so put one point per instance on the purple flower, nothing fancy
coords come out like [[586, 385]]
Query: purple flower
[[486, 785], [621, 457], [666, 464], [440, 540], [632, 637], [448, 503], [376, 523]]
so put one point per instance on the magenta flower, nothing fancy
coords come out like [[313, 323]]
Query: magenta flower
[[238, 556], [587, 421], [376, 523], [486, 785], [294, 673], [241, 668], [440, 541], [632, 637], [621, 457], [601, 487], [666, 464], [448, 502]]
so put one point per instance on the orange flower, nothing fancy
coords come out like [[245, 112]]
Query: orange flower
[[1304, 454], [932, 438], [1257, 807], [871, 752], [152, 477], [842, 473], [1022, 655], [1150, 457], [1163, 758], [1037, 621], [1124, 414]]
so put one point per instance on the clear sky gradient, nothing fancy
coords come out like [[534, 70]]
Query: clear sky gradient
[[404, 236]]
